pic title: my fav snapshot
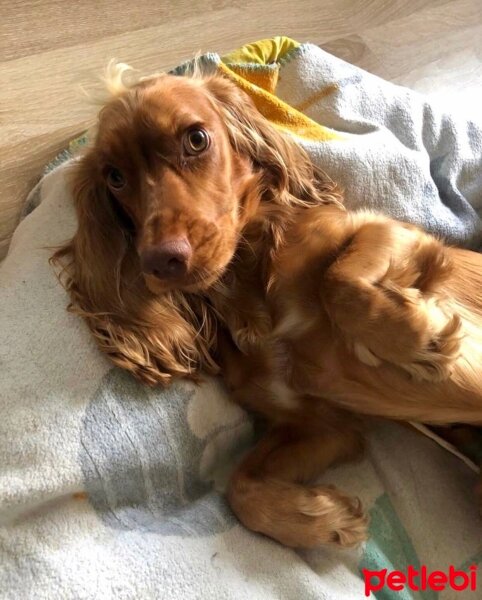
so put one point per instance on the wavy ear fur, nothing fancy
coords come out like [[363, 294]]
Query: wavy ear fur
[[287, 182], [155, 338], [289, 178]]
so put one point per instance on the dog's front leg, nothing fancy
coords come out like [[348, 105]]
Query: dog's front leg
[[385, 293], [268, 490]]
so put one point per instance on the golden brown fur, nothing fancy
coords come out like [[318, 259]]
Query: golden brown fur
[[314, 313]]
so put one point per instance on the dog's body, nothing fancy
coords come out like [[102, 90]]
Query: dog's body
[[370, 315], [373, 315], [248, 256]]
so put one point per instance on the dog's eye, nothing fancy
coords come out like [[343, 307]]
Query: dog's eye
[[196, 141], [115, 179]]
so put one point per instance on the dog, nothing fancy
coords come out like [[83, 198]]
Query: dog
[[208, 242]]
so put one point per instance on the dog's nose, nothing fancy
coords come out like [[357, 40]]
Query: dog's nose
[[167, 260]]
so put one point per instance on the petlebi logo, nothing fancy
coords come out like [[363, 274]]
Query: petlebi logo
[[420, 580]]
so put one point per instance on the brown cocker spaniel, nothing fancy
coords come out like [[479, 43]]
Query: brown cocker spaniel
[[207, 240]]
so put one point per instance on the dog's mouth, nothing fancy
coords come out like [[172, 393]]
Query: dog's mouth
[[197, 280]]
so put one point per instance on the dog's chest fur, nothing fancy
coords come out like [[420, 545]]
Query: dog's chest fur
[[288, 339], [279, 324]]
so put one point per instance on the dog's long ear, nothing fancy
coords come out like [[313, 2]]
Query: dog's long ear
[[155, 338], [289, 175]]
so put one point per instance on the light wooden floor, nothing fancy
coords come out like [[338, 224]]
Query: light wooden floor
[[49, 47]]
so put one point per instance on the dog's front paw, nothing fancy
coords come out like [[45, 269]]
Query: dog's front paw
[[436, 360], [298, 516], [326, 516]]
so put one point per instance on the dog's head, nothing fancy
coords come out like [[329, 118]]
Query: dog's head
[[178, 167], [166, 157]]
